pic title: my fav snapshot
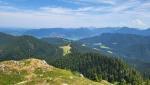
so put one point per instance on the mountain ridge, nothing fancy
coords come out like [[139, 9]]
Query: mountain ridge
[[37, 72], [76, 34]]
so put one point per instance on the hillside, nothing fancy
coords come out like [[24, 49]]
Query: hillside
[[18, 47], [75, 56], [38, 72], [57, 41], [134, 48], [126, 45], [76, 47], [97, 67], [84, 59]]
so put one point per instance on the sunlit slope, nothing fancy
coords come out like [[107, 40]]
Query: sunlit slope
[[66, 49], [38, 72]]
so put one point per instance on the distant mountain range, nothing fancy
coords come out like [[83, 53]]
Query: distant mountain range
[[92, 63], [19, 47], [13, 31], [129, 43], [75, 33], [126, 45]]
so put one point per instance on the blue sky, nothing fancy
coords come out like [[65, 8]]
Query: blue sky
[[74, 13]]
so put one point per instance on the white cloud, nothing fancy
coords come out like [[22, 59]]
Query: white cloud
[[56, 10], [79, 11], [100, 16], [139, 23], [44, 19], [109, 2]]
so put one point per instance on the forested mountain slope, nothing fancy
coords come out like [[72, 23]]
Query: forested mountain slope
[[134, 48], [126, 45], [93, 64], [97, 67], [21, 47]]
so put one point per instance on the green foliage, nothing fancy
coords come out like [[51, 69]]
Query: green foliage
[[94, 66], [14, 75], [123, 82], [23, 47], [57, 41], [97, 67], [10, 78], [147, 82], [133, 48]]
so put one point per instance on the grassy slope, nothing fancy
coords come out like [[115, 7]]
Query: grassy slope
[[37, 72], [66, 49]]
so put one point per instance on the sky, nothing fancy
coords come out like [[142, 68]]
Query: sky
[[74, 13]]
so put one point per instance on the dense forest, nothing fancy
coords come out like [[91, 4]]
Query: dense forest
[[92, 63], [74, 42], [22, 47], [97, 67], [134, 49]]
